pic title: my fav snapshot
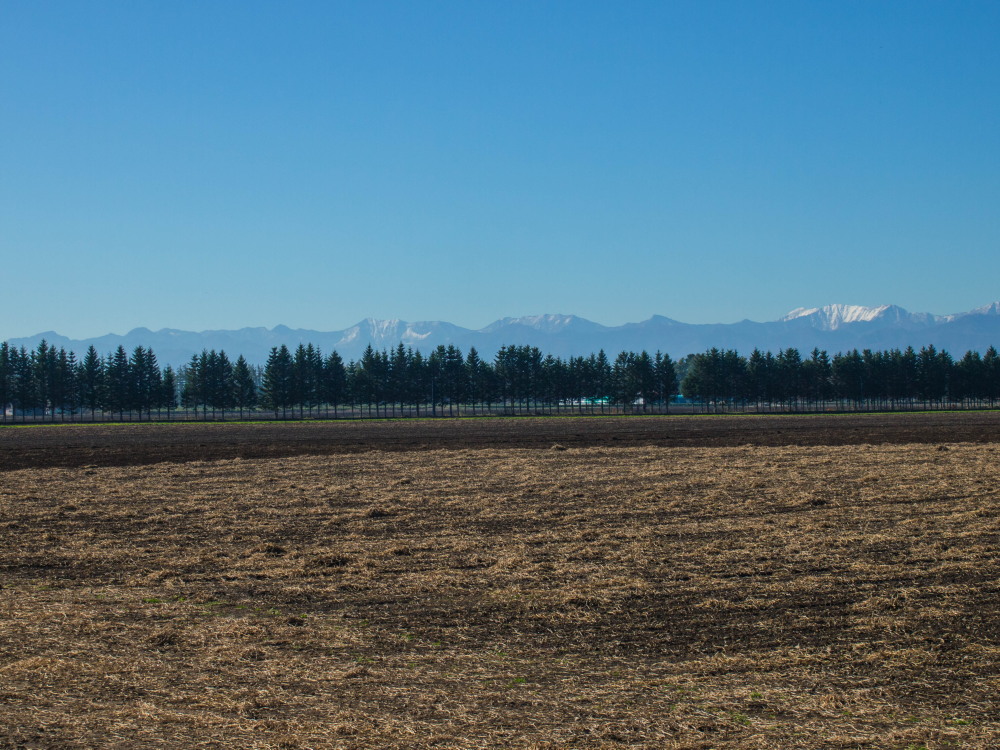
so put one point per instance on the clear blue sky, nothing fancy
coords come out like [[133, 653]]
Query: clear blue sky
[[225, 164]]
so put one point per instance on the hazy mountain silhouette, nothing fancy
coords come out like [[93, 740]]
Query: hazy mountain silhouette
[[833, 328]]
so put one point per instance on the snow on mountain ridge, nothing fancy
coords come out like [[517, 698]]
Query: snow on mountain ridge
[[831, 317], [547, 323], [993, 308], [827, 327], [412, 336]]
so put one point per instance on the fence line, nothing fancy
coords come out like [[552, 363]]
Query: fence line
[[468, 410]]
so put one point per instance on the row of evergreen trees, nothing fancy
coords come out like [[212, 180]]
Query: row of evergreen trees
[[858, 380], [50, 381], [518, 376]]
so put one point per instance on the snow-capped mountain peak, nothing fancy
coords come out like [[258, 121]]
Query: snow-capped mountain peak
[[549, 323], [834, 328], [991, 309], [831, 317]]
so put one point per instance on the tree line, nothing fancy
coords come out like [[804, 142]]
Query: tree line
[[52, 381], [519, 377], [48, 382], [866, 380]]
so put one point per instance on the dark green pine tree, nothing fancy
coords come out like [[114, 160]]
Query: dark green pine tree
[[6, 378], [65, 384], [991, 375], [223, 385], [816, 377], [624, 375], [399, 373], [306, 375], [849, 377], [371, 376], [475, 377], [244, 387], [208, 372], [531, 361], [24, 393], [144, 381], [757, 377], [117, 391], [698, 383], [40, 366], [91, 379], [153, 379], [191, 388], [419, 381], [277, 388], [932, 375], [435, 377], [552, 377], [666, 379], [314, 360], [334, 382], [168, 390], [577, 380], [602, 377], [453, 375], [645, 377], [968, 383]]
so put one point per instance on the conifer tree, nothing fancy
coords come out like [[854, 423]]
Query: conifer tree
[[399, 373], [932, 376], [154, 380], [789, 364], [65, 385], [116, 392], [145, 380], [23, 391], [419, 378], [555, 381], [602, 377], [645, 377], [192, 390], [435, 377], [666, 378], [849, 377], [334, 383], [91, 379], [42, 363], [968, 382], [306, 375], [277, 388], [244, 388], [6, 378], [991, 373], [476, 377], [453, 376], [314, 365], [816, 374], [168, 390], [223, 388]]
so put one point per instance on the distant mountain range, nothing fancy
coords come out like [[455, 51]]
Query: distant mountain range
[[834, 328]]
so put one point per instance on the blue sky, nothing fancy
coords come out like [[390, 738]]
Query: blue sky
[[228, 164]]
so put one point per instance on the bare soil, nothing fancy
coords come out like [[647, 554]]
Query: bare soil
[[562, 591], [135, 444]]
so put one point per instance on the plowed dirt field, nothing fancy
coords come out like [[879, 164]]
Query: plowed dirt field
[[748, 582], [133, 444]]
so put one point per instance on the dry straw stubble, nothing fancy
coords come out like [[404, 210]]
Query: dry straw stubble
[[587, 597]]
